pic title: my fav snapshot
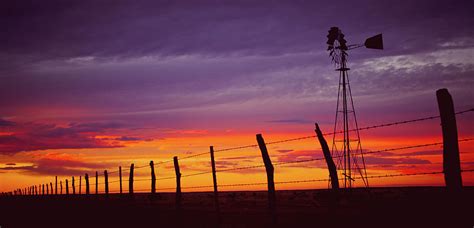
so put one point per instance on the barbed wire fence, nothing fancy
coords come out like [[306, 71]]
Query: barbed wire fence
[[71, 188]]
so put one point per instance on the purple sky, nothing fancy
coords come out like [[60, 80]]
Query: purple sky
[[227, 64]]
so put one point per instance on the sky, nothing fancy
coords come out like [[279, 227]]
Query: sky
[[93, 85]]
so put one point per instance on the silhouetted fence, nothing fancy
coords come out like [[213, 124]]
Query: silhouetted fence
[[451, 164]]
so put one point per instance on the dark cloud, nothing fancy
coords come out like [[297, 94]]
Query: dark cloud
[[60, 167], [129, 138], [6, 123], [35, 136], [291, 121]]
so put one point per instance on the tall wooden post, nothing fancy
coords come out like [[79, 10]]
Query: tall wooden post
[[47, 189], [130, 180], [106, 182], [153, 178], [120, 176], [96, 183], [67, 187], [271, 183], [61, 186], [214, 181], [451, 161], [42, 189], [86, 177], [80, 185], [73, 186], [56, 186], [327, 156], [178, 183]]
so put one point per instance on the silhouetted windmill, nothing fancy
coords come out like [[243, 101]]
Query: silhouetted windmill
[[347, 149]]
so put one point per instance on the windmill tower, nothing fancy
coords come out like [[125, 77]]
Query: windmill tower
[[346, 146]]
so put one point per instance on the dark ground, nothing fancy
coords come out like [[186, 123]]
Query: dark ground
[[379, 207]]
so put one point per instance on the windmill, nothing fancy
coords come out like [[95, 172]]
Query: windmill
[[346, 146]]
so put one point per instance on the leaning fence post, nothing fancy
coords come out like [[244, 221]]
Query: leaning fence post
[[269, 169], [178, 183], [73, 186], [130, 180], [67, 187], [327, 156], [86, 177], [106, 181], [451, 163], [214, 181], [153, 178], [56, 186], [120, 176]]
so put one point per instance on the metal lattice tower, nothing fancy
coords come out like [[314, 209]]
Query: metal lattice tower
[[346, 146]]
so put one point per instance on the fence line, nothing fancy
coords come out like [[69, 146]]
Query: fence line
[[282, 141]]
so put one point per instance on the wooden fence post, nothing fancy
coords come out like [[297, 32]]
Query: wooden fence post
[[270, 170], [96, 183], [36, 190], [42, 189], [80, 185], [73, 186], [51, 185], [67, 187], [130, 180], [153, 178], [451, 161], [61, 185], [120, 176], [106, 181], [327, 156], [56, 186], [86, 177], [178, 183], [47, 189], [214, 181]]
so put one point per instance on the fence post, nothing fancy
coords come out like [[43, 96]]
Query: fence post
[[61, 186], [67, 187], [271, 183], [214, 181], [86, 177], [153, 178], [42, 189], [327, 156], [120, 176], [80, 185], [96, 183], [178, 183], [51, 185], [130, 180], [56, 186], [451, 163], [47, 189], [73, 186], [106, 181], [36, 190]]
